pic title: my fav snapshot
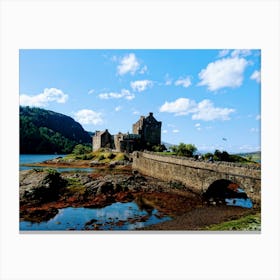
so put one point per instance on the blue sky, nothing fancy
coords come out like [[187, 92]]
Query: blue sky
[[210, 98]]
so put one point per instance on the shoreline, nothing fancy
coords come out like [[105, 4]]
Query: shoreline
[[195, 216]]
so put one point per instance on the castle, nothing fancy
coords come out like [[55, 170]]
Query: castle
[[146, 134]]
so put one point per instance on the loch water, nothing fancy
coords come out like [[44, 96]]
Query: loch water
[[32, 160], [117, 216]]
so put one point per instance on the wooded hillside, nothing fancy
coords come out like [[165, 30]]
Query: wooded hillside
[[43, 131]]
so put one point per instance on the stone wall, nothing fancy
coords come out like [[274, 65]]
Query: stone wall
[[198, 175], [101, 139], [149, 129]]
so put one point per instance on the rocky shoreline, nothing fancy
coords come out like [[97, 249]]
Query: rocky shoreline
[[44, 192]]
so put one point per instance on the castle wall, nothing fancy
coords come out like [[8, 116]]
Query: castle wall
[[96, 141], [146, 134], [149, 129], [101, 139]]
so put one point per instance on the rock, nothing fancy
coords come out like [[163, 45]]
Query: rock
[[85, 179], [91, 222], [91, 189], [39, 215], [135, 172], [39, 187], [117, 188], [90, 184], [94, 163], [112, 164], [105, 188]]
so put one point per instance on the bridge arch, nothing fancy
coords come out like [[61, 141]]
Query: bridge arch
[[222, 189]]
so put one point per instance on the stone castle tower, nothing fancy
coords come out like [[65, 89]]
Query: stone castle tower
[[149, 129]]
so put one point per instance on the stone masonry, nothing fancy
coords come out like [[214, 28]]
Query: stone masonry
[[199, 175], [146, 134]]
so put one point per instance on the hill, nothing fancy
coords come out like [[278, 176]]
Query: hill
[[254, 156], [43, 131], [167, 145]]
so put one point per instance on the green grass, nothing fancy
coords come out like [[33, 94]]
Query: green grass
[[247, 223], [255, 157], [75, 186], [101, 155]]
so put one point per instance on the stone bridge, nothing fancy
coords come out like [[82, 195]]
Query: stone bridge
[[199, 175]]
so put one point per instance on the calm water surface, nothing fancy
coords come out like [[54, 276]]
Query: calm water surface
[[30, 159], [118, 216]]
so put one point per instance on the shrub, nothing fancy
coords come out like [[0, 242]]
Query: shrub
[[81, 149], [111, 156], [52, 171], [101, 157], [182, 149]]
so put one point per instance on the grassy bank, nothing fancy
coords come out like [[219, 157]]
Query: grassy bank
[[247, 223], [102, 156]]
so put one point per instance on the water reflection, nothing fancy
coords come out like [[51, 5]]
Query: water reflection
[[118, 216], [58, 169], [144, 205], [241, 202]]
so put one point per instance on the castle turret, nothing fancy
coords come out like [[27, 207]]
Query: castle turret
[[149, 129]]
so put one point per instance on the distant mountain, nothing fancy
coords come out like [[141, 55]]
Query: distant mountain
[[90, 133], [254, 156], [167, 145], [43, 131]]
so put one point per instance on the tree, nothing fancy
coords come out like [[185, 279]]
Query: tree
[[174, 148], [159, 148], [81, 149], [185, 150], [208, 155], [191, 149], [221, 156]]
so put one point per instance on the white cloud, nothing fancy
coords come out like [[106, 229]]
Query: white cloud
[[223, 53], [128, 64], [143, 70], [114, 58], [170, 125], [254, 130], [207, 112], [126, 94], [135, 112], [235, 53], [258, 117], [175, 131], [164, 131], [141, 85], [198, 126], [226, 72], [91, 91], [249, 148], [118, 108], [203, 110], [240, 52], [168, 80], [185, 82], [256, 76], [44, 98], [181, 106], [86, 116]]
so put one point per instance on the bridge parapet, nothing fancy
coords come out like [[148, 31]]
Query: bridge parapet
[[196, 174]]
